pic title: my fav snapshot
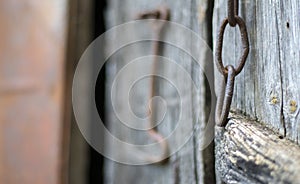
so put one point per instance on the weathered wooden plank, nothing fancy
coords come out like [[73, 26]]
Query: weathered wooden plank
[[186, 166], [288, 27], [178, 169], [267, 88], [248, 152], [202, 11]]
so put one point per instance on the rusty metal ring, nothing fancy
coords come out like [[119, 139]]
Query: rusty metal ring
[[224, 102], [245, 43]]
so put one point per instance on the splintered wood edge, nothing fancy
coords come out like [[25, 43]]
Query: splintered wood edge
[[248, 152]]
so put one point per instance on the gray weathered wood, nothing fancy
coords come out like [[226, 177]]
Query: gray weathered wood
[[189, 165], [121, 12], [248, 152], [202, 24], [267, 89]]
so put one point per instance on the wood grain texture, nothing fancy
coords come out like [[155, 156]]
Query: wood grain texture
[[189, 164], [248, 152], [178, 169], [267, 88]]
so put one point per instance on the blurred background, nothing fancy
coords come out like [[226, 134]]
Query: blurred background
[[41, 43]]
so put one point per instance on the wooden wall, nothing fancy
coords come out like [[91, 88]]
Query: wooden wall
[[266, 91], [189, 165]]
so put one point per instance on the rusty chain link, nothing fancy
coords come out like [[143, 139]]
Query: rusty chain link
[[229, 72], [233, 10]]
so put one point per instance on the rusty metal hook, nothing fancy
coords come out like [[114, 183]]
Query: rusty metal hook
[[161, 13]]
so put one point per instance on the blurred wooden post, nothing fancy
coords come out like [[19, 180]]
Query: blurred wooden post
[[80, 34], [32, 60]]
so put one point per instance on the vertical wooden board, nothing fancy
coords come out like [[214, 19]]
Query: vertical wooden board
[[181, 167], [269, 81], [202, 11], [272, 65], [80, 34], [288, 26], [267, 88]]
